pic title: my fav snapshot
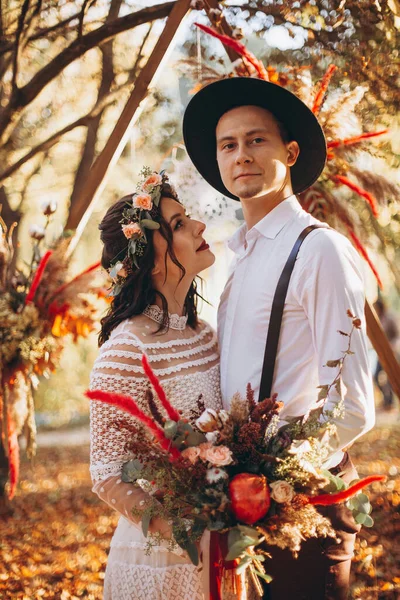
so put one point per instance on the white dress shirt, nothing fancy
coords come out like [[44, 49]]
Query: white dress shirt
[[325, 283]]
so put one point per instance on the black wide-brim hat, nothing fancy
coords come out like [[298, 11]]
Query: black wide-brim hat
[[211, 102]]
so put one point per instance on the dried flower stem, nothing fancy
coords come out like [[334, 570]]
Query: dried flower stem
[[68, 283], [365, 255], [319, 98], [129, 405], [171, 411], [358, 190], [328, 499], [239, 48], [38, 276]]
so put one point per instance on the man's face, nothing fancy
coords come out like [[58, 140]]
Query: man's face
[[252, 158]]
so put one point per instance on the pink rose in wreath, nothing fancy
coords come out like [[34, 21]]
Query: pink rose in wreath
[[153, 180], [131, 230], [143, 201]]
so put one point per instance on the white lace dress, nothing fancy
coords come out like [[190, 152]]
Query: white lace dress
[[187, 364]]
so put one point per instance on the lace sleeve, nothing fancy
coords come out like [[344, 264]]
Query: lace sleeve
[[117, 369]]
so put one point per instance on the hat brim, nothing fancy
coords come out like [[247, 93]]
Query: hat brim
[[211, 102]]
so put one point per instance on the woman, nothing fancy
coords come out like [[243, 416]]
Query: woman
[[153, 251]]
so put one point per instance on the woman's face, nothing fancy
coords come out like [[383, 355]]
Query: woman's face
[[189, 245]]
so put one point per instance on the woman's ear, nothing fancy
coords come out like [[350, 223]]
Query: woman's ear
[[155, 270]]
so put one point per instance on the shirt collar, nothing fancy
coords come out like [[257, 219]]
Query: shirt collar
[[269, 226]]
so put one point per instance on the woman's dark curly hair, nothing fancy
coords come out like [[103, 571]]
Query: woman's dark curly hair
[[138, 291]]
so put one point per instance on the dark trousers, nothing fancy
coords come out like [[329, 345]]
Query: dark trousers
[[322, 569]]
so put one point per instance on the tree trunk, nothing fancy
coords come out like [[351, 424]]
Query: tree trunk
[[89, 148], [10, 216]]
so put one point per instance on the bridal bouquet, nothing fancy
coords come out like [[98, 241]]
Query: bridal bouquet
[[237, 475], [40, 305]]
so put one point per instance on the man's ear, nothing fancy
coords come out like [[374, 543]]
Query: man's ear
[[293, 152]]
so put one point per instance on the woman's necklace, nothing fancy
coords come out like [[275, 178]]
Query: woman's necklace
[[155, 313]]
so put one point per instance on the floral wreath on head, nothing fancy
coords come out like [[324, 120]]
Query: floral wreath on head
[[140, 213]]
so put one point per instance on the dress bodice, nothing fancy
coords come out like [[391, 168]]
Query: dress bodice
[[186, 363]]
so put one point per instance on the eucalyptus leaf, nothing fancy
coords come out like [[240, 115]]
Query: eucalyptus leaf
[[193, 553], [264, 576], [195, 438], [249, 532], [360, 518], [237, 549], [170, 429], [131, 471], [244, 563], [157, 197], [363, 498], [113, 272], [368, 521], [240, 538], [364, 507], [145, 524], [149, 224]]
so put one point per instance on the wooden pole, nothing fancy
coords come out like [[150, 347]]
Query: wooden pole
[[116, 142], [383, 348]]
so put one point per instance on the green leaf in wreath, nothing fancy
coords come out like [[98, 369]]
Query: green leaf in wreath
[[149, 224]]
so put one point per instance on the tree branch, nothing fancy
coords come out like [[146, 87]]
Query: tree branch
[[53, 139], [107, 79], [75, 50], [17, 46], [8, 46], [85, 6], [81, 45]]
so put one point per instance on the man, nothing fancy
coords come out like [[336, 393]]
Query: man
[[257, 143]]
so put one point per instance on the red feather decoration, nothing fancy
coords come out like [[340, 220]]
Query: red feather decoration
[[13, 458], [239, 48], [356, 139], [171, 411], [85, 272], [327, 499], [319, 98], [364, 254], [38, 276], [358, 190], [128, 404]]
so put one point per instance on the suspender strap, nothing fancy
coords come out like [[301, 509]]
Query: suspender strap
[[275, 320]]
